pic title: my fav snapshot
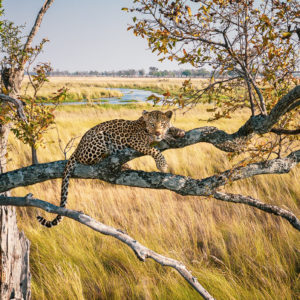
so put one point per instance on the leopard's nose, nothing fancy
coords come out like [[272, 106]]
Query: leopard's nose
[[157, 133]]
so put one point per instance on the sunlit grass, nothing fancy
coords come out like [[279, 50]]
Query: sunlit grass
[[97, 87], [75, 90], [236, 252]]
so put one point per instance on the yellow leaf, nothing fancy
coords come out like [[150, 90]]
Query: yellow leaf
[[189, 10], [286, 35]]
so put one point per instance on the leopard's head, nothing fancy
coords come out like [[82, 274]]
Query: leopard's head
[[157, 123]]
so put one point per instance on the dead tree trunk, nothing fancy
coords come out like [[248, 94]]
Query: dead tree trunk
[[14, 252]]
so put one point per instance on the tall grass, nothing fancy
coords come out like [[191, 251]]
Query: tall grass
[[236, 252]]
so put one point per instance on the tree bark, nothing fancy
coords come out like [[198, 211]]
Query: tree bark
[[14, 247], [34, 159]]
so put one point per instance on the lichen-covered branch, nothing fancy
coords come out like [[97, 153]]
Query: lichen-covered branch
[[140, 251], [248, 200], [109, 171]]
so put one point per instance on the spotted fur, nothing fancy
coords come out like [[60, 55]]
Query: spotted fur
[[109, 137]]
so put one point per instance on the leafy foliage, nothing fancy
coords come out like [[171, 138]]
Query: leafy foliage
[[251, 46], [15, 56], [40, 117]]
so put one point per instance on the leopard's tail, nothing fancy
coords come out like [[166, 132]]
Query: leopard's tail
[[64, 192]]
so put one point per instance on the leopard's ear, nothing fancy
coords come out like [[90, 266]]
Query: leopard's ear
[[144, 112], [169, 114]]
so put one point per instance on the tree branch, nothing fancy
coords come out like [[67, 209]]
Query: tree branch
[[18, 104], [260, 96], [37, 23], [284, 105], [140, 251], [109, 170], [285, 131], [248, 200]]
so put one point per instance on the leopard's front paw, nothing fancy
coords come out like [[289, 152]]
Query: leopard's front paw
[[180, 133], [176, 132]]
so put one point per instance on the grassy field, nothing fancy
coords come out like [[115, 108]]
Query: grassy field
[[96, 87], [77, 90], [235, 251]]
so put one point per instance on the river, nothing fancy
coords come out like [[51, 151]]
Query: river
[[129, 96]]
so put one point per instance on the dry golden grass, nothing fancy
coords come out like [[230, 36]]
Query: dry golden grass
[[124, 81], [77, 89], [235, 251], [96, 87]]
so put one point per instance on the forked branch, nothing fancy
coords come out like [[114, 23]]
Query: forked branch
[[16, 102], [140, 251]]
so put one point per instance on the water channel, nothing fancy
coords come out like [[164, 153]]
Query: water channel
[[129, 96]]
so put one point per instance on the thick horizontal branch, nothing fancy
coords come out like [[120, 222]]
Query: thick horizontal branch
[[140, 251], [109, 171], [248, 200]]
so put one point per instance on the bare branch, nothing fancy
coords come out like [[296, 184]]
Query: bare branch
[[248, 200], [285, 131], [37, 23], [68, 147], [140, 251], [260, 96], [17, 102]]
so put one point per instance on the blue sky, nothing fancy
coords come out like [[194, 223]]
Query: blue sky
[[86, 35]]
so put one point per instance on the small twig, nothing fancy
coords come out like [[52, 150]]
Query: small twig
[[140, 251], [69, 145]]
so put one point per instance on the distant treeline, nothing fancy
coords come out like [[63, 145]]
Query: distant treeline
[[153, 72]]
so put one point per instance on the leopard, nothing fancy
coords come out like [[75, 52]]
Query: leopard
[[111, 137]]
